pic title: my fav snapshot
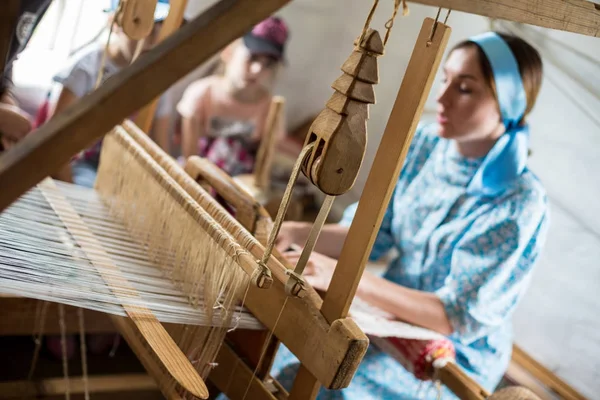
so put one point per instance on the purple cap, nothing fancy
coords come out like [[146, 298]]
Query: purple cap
[[268, 37]]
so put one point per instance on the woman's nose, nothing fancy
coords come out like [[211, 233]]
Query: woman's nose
[[443, 97], [256, 68]]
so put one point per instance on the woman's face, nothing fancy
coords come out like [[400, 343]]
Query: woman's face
[[467, 108], [246, 70]]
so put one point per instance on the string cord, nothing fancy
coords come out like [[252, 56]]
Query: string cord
[[63, 345], [40, 324], [368, 21], [83, 350], [265, 347], [390, 22]]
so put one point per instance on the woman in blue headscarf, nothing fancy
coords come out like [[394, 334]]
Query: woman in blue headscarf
[[468, 220]]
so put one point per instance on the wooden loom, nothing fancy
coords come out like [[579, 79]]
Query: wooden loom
[[21, 169]]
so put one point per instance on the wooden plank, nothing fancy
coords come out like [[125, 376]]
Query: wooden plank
[[8, 21], [465, 388], [516, 375], [170, 25], [19, 318], [544, 375], [234, 378], [57, 386], [577, 16], [205, 171], [39, 155]]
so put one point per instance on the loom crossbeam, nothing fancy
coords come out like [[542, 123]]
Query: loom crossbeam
[[576, 16]]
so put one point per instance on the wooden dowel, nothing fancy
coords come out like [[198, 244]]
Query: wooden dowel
[[51, 146], [465, 388], [544, 375], [264, 157], [96, 384]]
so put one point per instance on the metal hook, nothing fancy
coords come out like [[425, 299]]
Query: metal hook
[[433, 28]]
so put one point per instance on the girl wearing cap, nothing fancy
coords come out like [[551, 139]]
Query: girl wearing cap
[[223, 115], [468, 220], [80, 77]]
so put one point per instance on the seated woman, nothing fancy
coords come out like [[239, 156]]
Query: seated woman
[[468, 220]]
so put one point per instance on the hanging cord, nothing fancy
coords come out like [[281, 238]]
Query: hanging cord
[[83, 354], [435, 24], [265, 347], [105, 53], [447, 16], [138, 48], [40, 321], [390, 22], [63, 343], [368, 21], [283, 208]]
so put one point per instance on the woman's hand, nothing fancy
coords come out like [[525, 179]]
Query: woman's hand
[[14, 125], [318, 271], [291, 233]]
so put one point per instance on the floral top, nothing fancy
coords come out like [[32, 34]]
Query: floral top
[[476, 253]]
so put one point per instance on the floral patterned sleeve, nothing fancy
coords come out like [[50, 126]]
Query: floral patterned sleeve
[[492, 264]]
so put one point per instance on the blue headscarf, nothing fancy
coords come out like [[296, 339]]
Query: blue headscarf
[[505, 162]]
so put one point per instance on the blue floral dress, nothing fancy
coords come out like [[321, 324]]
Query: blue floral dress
[[477, 254]]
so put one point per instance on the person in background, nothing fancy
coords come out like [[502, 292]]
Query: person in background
[[14, 123], [80, 78], [467, 218], [223, 115]]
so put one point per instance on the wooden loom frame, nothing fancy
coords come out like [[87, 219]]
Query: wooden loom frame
[[30, 161]]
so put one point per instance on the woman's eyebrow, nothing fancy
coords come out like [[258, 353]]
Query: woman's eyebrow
[[462, 76], [467, 76]]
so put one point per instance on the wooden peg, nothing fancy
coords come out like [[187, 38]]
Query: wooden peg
[[354, 89], [362, 66], [136, 18]]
